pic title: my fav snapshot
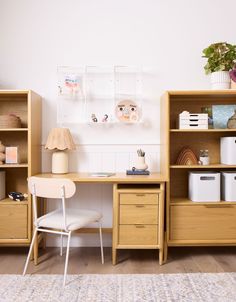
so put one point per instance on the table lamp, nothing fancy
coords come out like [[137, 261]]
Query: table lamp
[[60, 140]]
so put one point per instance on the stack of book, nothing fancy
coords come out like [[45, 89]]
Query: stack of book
[[137, 172]]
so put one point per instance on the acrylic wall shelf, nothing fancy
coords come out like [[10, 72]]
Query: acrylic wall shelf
[[98, 93], [70, 105]]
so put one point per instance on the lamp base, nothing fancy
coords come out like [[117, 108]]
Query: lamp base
[[59, 162]]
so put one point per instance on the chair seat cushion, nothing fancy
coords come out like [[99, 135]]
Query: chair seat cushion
[[75, 219]]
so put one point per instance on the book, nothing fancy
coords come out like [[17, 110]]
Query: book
[[101, 174], [137, 172]]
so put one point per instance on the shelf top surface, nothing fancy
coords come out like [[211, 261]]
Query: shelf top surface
[[14, 91], [117, 178], [201, 92], [13, 129], [9, 201], [203, 130], [203, 167], [22, 165]]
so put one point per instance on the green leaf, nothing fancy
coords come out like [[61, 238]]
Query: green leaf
[[220, 56]]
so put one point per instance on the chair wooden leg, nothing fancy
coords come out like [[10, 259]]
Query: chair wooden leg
[[67, 257], [30, 250], [101, 243]]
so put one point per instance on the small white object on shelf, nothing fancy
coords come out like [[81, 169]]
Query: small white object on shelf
[[204, 186], [229, 186], [193, 120], [228, 150], [204, 158]]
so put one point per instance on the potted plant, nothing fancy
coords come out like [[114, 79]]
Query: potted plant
[[221, 58]]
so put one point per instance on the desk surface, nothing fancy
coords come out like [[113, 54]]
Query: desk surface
[[117, 178]]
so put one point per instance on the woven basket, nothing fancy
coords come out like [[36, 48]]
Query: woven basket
[[10, 121]]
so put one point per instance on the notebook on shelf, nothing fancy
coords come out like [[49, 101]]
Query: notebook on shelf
[[102, 174], [137, 172]]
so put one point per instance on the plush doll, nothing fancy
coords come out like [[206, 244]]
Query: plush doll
[[127, 111]]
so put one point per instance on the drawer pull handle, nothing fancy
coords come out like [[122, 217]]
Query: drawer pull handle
[[207, 178], [140, 195], [139, 206], [214, 206], [140, 226]]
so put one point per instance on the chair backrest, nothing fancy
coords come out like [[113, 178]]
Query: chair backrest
[[51, 187]]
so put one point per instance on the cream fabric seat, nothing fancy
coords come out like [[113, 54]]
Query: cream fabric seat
[[62, 221], [76, 219]]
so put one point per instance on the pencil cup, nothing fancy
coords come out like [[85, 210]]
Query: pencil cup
[[141, 165]]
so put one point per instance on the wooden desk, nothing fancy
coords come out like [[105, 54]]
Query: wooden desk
[[138, 210]]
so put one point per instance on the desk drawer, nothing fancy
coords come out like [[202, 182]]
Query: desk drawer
[[138, 234], [138, 214], [203, 222], [138, 198], [13, 221]]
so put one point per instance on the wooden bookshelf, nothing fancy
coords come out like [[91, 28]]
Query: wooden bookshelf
[[15, 216], [194, 223]]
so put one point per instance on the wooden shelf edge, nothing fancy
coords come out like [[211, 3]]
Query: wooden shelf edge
[[201, 92], [185, 201], [138, 246], [14, 242], [202, 130], [14, 129], [14, 91], [218, 242], [9, 201], [213, 166], [24, 165]]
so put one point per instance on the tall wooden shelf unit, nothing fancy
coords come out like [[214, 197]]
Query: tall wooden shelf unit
[[190, 223], [16, 217]]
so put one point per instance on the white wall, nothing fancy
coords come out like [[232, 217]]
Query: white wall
[[166, 37]]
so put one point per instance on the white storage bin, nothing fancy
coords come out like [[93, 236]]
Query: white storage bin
[[193, 120], [229, 186], [228, 150], [204, 186], [2, 185]]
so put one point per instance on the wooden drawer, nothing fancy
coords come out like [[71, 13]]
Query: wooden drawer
[[138, 214], [138, 234], [138, 198], [203, 222], [13, 221]]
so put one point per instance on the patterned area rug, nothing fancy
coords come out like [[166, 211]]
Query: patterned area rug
[[119, 288]]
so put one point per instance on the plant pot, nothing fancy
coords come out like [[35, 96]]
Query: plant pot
[[141, 165], [220, 80]]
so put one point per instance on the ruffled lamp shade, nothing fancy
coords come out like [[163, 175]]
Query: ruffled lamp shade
[[60, 140]]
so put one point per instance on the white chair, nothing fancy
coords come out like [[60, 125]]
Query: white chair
[[62, 221]]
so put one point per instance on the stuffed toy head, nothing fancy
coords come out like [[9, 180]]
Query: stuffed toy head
[[127, 111]]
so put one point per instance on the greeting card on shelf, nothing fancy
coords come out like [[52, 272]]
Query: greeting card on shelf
[[12, 155]]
